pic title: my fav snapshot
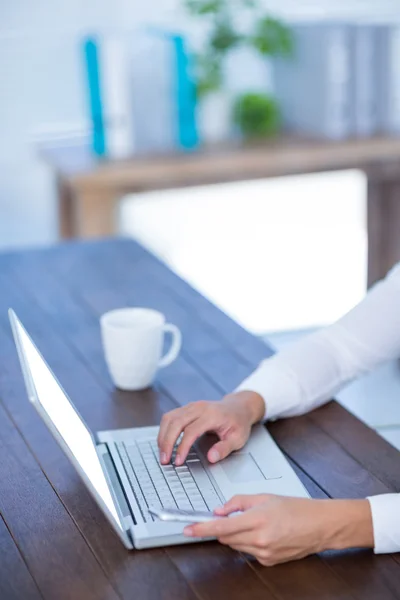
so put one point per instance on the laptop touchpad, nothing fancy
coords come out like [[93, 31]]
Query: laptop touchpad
[[240, 468]]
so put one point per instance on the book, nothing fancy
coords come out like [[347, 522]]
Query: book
[[185, 98], [313, 87], [110, 96], [117, 95], [170, 89], [363, 81], [142, 95], [388, 78], [94, 95], [151, 68]]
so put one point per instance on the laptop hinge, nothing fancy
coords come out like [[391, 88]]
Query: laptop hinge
[[116, 490]]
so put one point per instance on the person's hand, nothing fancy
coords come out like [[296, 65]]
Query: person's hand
[[276, 529], [231, 419]]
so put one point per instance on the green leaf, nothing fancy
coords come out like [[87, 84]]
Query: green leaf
[[250, 3], [204, 7], [272, 38], [208, 74], [224, 37]]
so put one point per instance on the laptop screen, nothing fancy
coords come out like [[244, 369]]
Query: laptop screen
[[65, 419]]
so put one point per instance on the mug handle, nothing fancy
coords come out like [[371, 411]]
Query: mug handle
[[176, 345]]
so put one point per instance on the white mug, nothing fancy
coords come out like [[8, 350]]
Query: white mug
[[133, 341]]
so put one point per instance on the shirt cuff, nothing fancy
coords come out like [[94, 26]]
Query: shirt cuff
[[277, 387], [385, 511]]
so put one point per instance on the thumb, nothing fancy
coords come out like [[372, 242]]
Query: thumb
[[240, 503], [221, 450]]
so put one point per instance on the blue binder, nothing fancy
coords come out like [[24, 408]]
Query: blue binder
[[95, 100], [185, 97]]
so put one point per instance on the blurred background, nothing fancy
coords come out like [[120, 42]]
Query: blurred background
[[86, 86]]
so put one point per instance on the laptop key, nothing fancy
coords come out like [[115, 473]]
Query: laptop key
[[183, 504], [212, 500], [199, 505], [133, 482], [187, 487]]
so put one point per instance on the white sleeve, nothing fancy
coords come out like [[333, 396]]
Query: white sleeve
[[308, 373], [385, 511]]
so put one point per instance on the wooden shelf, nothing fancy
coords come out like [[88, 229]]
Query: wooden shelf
[[285, 156], [89, 188]]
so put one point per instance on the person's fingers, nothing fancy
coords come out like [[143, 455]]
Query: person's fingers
[[165, 421], [222, 527], [252, 537], [171, 433], [240, 503], [222, 449], [191, 433], [264, 556], [244, 548]]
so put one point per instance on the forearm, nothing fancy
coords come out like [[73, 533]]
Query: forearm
[[253, 404], [345, 524], [371, 523], [309, 372]]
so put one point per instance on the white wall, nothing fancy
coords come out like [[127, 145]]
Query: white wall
[[41, 86]]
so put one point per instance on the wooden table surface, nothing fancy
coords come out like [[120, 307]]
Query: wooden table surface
[[54, 541]]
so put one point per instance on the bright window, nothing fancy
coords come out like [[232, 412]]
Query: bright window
[[275, 254]]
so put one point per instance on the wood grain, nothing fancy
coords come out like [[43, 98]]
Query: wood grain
[[59, 295], [88, 396], [16, 582], [56, 554], [250, 581], [132, 574], [358, 440]]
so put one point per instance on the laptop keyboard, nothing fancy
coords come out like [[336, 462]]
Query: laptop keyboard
[[187, 487]]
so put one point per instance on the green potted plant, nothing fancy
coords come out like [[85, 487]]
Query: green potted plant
[[254, 113]]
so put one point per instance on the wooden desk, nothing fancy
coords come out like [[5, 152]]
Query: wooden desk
[[89, 189], [55, 543]]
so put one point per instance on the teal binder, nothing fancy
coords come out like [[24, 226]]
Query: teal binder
[[95, 100], [188, 137]]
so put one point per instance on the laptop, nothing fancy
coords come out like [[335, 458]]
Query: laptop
[[122, 471]]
